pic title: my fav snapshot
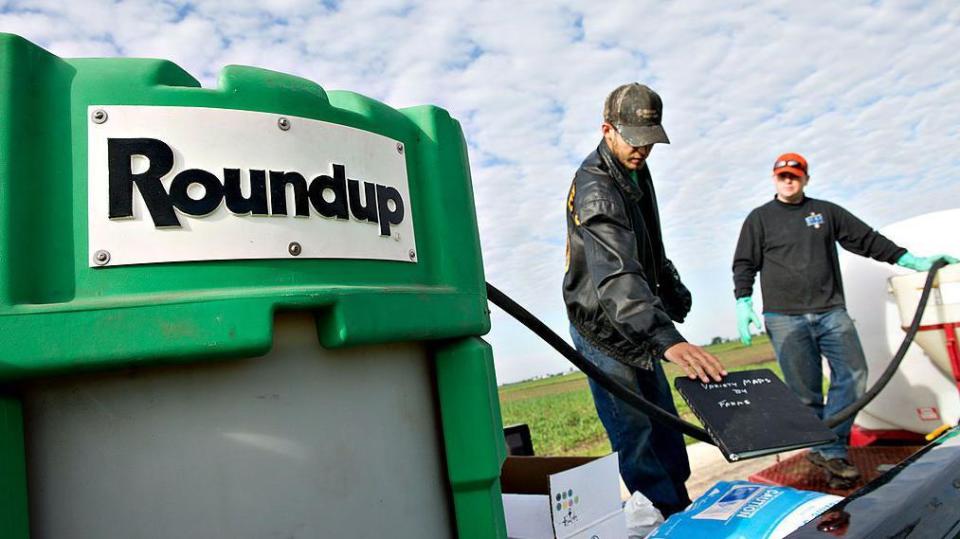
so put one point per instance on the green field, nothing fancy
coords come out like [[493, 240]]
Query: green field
[[560, 412]]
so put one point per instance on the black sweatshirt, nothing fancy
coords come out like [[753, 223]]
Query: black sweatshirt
[[793, 246]]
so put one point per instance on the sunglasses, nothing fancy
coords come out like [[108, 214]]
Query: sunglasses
[[790, 163]]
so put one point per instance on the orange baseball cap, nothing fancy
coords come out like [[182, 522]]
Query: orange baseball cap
[[792, 163]]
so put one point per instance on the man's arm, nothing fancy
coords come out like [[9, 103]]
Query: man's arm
[[857, 237], [677, 300], [748, 256], [612, 261], [747, 260], [610, 248]]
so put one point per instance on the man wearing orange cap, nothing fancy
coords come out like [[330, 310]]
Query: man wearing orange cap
[[791, 241]]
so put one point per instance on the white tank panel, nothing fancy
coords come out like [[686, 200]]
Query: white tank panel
[[303, 442], [920, 397], [943, 307]]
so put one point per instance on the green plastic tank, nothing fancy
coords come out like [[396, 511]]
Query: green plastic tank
[[245, 311]]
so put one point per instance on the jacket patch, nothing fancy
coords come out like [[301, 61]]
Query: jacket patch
[[814, 219]]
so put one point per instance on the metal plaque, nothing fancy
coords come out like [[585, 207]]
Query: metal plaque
[[175, 184]]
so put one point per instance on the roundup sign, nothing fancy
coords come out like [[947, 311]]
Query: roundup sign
[[174, 184]]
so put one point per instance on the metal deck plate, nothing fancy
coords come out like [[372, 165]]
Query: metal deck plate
[[798, 472]]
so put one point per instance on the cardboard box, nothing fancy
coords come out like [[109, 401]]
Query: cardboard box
[[562, 498]]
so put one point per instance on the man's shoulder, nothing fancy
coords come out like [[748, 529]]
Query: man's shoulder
[[763, 209], [772, 206], [591, 170], [820, 203], [826, 207], [592, 164], [593, 182]]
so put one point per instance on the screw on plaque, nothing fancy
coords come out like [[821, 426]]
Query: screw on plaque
[[99, 116], [101, 257], [399, 147], [413, 254], [294, 248], [283, 124]]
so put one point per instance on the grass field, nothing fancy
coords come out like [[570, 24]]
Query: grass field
[[560, 412]]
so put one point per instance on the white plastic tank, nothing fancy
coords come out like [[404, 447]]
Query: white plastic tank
[[922, 395], [302, 442], [940, 317]]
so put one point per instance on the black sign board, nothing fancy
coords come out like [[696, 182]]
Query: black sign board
[[753, 413]]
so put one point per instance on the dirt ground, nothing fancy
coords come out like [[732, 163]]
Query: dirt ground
[[707, 466]]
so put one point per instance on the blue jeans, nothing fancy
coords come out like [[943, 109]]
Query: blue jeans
[[653, 458], [798, 341]]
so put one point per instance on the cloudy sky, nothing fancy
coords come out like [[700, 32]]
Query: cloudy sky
[[868, 91]]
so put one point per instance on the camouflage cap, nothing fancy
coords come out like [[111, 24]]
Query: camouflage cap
[[636, 111]]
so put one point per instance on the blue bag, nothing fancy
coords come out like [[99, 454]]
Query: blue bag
[[740, 509]]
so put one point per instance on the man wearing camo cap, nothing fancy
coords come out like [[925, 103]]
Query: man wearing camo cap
[[623, 295]]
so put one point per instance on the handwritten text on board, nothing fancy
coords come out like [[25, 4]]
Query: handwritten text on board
[[739, 388]]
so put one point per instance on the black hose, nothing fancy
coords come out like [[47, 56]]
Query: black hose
[[666, 418], [891, 369], [620, 391]]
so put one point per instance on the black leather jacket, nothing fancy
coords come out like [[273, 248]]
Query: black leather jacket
[[620, 289]]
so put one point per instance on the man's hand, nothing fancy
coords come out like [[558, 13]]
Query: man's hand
[[922, 263], [696, 362], [745, 318]]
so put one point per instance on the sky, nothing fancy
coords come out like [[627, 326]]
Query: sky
[[868, 91]]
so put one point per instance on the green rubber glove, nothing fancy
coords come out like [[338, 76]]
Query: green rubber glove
[[922, 263], [745, 317]]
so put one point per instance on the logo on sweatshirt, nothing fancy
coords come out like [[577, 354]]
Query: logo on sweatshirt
[[814, 220]]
